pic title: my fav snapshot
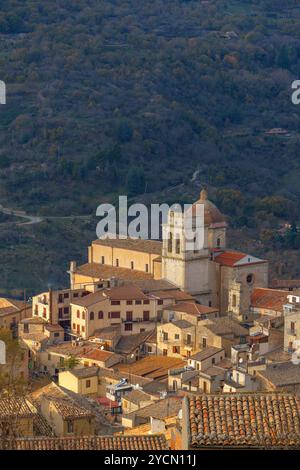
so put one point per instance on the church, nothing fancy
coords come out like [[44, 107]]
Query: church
[[214, 275]]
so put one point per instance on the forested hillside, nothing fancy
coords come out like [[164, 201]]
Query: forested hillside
[[153, 99]]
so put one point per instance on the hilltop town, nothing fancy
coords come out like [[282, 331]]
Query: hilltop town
[[153, 347]]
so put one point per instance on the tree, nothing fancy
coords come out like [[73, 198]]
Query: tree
[[70, 362]]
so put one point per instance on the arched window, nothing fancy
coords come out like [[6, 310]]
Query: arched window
[[92, 316], [170, 243], [177, 245], [100, 315], [234, 300], [250, 278]]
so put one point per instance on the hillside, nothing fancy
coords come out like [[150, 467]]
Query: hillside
[[152, 99]]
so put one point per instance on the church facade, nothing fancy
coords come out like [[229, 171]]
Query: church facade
[[214, 275]]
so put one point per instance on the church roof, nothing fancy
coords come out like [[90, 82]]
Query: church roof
[[135, 244], [212, 215], [236, 258]]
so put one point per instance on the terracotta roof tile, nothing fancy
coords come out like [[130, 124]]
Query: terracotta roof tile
[[232, 258], [133, 244], [192, 308], [103, 271], [249, 420], [269, 299], [155, 442]]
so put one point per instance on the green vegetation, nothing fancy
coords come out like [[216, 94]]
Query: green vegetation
[[130, 97]]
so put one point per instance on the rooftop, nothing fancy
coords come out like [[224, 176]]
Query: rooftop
[[85, 372], [192, 308], [236, 258], [282, 373], [182, 324], [67, 407], [154, 442], [133, 244], [103, 272], [224, 326], [98, 355], [155, 367], [268, 298], [129, 292], [244, 420], [137, 396], [14, 407], [160, 409], [206, 353], [129, 343]]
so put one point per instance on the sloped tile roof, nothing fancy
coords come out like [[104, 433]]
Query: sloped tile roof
[[244, 420], [155, 442], [268, 298], [133, 244]]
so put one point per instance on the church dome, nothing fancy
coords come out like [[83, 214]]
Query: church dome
[[212, 215]]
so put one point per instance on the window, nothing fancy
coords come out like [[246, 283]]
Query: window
[[146, 302], [60, 298], [213, 361], [147, 268], [128, 316], [176, 336], [82, 329], [92, 316], [66, 295], [60, 313], [204, 342], [132, 264], [170, 243], [210, 303], [74, 326], [218, 242], [56, 335], [293, 327], [100, 315], [160, 302], [36, 310], [138, 302], [204, 386], [49, 357], [66, 310], [88, 384], [115, 302], [100, 286], [75, 295], [83, 315], [165, 336], [188, 339], [115, 315], [165, 352], [234, 300], [128, 326], [146, 315], [129, 302], [78, 313], [250, 278], [117, 262], [44, 312], [177, 245], [176, 349], [102, 260], [70, 426]]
